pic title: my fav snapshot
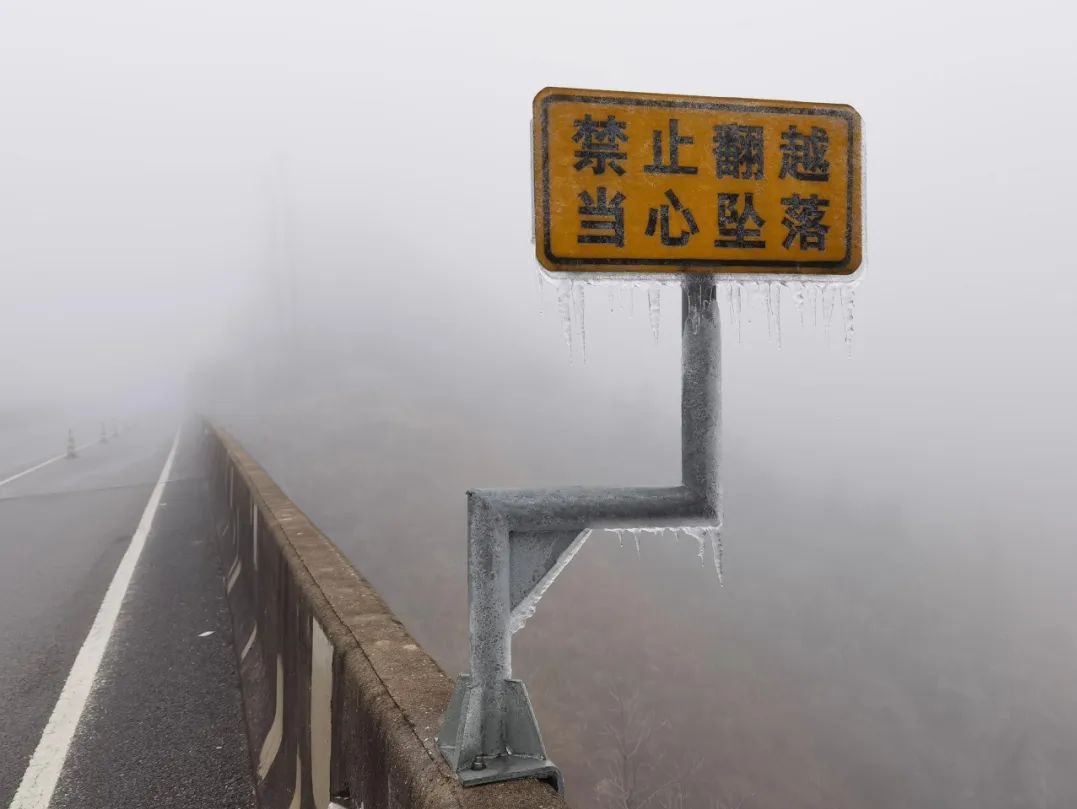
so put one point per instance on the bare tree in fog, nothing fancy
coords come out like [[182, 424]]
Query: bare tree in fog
[[635, 771], [677, 798]]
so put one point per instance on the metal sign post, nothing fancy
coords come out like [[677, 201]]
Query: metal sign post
[[639, 183], [516, 537]]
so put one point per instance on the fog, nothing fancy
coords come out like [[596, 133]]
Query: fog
[[312, 221]]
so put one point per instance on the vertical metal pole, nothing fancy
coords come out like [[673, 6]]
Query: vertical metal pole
[[701, 390], [489, 609]]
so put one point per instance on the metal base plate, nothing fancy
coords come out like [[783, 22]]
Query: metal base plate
[[508, 767]]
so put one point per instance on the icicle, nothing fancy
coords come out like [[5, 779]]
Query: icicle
[[621, 538], [828, 308], [541, 292], [613, 297], [578, 314], [813, 302], [697, 535], [847, 313], [654, 308], [775, 292], [796, 289], [635, 535], [716, 552], [632, 299], [770, 319], [737, 295], [564, 308]]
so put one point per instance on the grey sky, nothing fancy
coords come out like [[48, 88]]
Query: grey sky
[[140, 151]]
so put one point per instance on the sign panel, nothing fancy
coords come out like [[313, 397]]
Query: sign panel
[[634, 182]]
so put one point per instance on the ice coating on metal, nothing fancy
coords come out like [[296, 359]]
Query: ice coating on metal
[[490, 727], [701, 534], [526, 608], [814, 301]]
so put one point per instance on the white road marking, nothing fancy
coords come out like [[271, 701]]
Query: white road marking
[[271, 745], [250, 643], [254, 540], [297, 795], [42, 773], [42, 465], [321, 717], [237, 568]]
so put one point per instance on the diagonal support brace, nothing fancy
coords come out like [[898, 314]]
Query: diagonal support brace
[[520, 539]]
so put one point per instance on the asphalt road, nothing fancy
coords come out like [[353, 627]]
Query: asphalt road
[[163, 724]]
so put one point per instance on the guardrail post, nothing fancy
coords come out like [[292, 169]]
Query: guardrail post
[[519, 540]]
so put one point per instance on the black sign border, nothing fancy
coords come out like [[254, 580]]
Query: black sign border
[[712, 106]]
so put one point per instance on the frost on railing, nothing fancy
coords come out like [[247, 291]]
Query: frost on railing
[[705, 536], [814, 302]]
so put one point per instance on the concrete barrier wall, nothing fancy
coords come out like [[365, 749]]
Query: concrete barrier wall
[[341, 702]]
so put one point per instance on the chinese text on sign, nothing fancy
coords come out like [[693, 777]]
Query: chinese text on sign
[[629, 182]]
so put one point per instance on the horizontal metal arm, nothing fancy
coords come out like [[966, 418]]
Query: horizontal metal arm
[[579, 507]]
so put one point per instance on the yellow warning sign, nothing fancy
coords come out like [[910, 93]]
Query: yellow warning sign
[[635, 182]]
